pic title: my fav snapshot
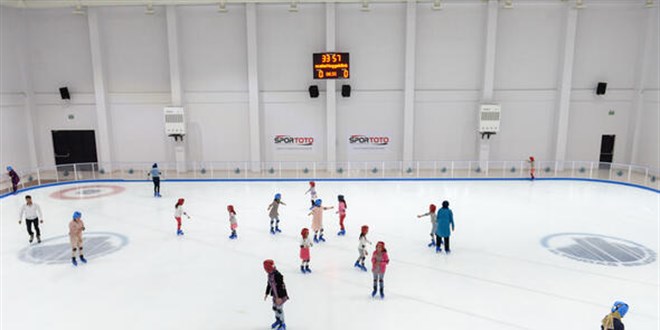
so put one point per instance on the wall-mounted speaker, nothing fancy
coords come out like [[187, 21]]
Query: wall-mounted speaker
[[601, 88], [313, 91], [346, 90], [64, 93]]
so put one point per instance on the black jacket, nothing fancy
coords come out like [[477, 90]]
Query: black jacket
[[617, 325], [279, 289]]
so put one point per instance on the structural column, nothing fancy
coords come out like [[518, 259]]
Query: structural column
[[489, 73], [176, 92], [331, 87], [253, 84], [100, 92], [26, 73], [409, 84], [565, 84]]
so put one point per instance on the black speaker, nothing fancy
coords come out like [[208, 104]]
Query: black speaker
[[602, 87], [346, 90], [313, 91], [64, 93]]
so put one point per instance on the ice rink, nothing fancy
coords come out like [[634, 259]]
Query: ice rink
[[525, 255]]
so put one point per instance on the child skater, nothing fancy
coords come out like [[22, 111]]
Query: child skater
[[276, 288], [612, 321], [312, 192], [362, 248], [532, 168], [379, 259], [317, 219], [178, 211], [76, 227], [434, 222], [274, 214], [15, 179], [305, 244], [232, 221], [342, 214]]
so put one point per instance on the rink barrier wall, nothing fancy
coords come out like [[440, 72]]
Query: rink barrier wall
[[4, 195]]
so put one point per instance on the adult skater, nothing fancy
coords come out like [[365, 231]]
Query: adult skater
[[274, 214], [341, 206], [317, 219], [445, 218], [31, 212], [155, 177], [362, 248], [379, 261], [613, 320], [178, 212], [305, 244], [15, 179], [532, 168], [434, 222], [276, 288], [76, 227]]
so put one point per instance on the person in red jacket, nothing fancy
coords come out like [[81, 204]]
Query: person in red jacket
[[276, 288], [379, 259]]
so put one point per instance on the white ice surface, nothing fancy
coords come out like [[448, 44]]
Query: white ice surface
[[498, 276]]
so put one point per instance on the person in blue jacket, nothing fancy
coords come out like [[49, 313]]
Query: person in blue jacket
[[613, 320], [445, 218]]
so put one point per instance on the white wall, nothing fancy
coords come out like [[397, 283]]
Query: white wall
[[449, 76]]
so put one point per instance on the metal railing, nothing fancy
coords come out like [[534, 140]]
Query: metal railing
[[633, 174]]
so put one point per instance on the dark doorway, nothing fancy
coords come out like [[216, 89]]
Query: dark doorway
[[606, 150], [74, 147]]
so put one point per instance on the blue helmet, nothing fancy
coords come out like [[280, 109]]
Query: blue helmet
[[9, 168], [318, 202], [621, 307], [278, 196], [77, 215]]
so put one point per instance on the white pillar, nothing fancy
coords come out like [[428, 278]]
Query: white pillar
[[409, 84], [331, 87], [100, 92], [637, 109], [176, 92], [565, 83], [489, 74], [253, 84], [26, 74]]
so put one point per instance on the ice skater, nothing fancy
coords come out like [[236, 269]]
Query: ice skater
[[613, 320], [445, 219], [178, 212], [341, 206], [532, 168], [317, 219], [305, 244], [312, 192], [155, 177], [276, 288], [379, 261], [434, 223], [362, 248], [274, 214], [233, 224], [15, 179], [31, 212], [76, 227]]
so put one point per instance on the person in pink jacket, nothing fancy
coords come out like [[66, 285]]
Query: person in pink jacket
[[342, 214], [76, 227], [379, 259], [317, 219]]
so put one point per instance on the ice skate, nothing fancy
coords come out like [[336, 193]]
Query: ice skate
[[272, 231], [341, 232], [38, 239], [233, 236], [363, 267], [357, 264], [84, 261], [316, 239], [302, 269], [276, 324], [31, 238], [382, 294], [277, 229], [179, 232], [73, 261], [373, 293], [282, 327], [321, 239], [307, 269], [432, 244]]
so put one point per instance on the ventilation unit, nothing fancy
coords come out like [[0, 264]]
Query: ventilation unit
[[489, 119], [175, 124]]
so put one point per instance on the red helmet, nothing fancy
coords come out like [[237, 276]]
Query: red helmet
[[304, 232], [432, 208], [312, 184], [531, 158], [364, 229], [230, 208], [180, 201], [269, 265]]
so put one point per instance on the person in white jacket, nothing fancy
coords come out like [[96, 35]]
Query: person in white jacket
[[31, 212]]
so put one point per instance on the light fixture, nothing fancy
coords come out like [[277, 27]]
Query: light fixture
[[649, 4], [150, 9], [508, 4], [293, 7], [579, 4], [78, 10], [437, 5], [365, 5], [222, 7]]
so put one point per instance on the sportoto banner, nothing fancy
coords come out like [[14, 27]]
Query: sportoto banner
[[362, 142], [292, 142]]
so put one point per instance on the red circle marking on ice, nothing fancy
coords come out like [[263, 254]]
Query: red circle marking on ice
[[105, 190]]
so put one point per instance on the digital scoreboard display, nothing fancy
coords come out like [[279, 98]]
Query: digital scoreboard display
[[331, 66]]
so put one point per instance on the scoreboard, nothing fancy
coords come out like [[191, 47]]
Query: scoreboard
[[331, 66]]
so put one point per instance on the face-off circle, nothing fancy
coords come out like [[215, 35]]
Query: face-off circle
[[599, 249], [57, 250], [87, 192]]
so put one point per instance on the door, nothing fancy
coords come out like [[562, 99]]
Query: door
[[606, 150], [73, 147]]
